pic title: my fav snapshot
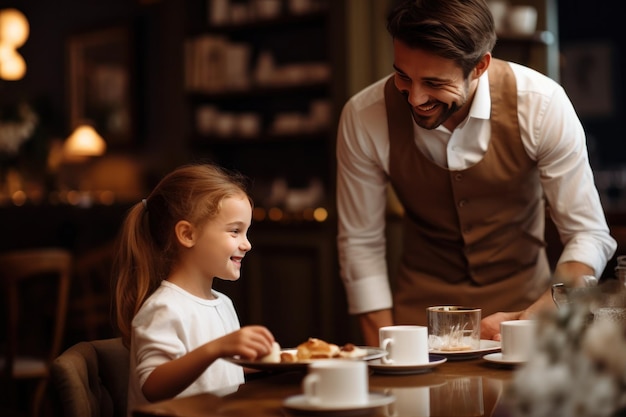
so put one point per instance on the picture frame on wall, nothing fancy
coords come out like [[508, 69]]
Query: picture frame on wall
[[587, 75], [101, 85]]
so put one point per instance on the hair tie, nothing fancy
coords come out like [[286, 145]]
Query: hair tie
[[145, 203]]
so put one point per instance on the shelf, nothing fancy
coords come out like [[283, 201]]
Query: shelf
[[272, 24], [271, 75], [541, 37], [261, 140], [320, 87]]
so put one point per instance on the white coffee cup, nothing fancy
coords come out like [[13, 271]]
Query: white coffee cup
[[460, 396], [405, 344], [522, 19], [517, 339], [410, 401], [336, 383], [499, 10], [206, 117]]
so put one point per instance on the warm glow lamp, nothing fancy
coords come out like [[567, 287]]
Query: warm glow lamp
[[12, 65], [14, 31], [14, 28], [84, 141]]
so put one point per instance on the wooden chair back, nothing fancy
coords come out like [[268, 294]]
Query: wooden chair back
[[91, 379], [90, 312], [29, 280]]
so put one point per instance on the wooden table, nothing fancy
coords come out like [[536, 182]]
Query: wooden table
[[454, 388]]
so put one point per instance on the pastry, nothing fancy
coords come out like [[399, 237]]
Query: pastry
[[351, 351], [316, 349], [312, 349], [274, 356]]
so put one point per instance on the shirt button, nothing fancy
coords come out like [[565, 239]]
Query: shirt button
[[458, 177], [463, 203], [467, 230]]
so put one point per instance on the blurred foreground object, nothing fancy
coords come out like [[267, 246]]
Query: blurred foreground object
[[579, 367]]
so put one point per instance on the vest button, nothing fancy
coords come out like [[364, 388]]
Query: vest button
[[463, 203], [467, 230], [458, 177]]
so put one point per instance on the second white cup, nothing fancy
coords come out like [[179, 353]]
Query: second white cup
[[336, 383], [409, 401], [405, 345], [517, 339]]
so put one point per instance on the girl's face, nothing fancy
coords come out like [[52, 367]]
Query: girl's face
[[223, 241]]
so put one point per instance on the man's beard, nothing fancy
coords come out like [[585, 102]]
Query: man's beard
[[446, 111], [434, 121]]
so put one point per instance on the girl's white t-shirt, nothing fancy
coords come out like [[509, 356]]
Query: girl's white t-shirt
[[173, 322]]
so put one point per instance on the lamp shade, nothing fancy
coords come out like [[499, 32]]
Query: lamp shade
[[84, 141], [14, 28], [12, 64]]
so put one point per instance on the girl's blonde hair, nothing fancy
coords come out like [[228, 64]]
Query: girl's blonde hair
[[146, 246]]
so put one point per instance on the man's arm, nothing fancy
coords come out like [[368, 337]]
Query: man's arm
[[361, 209], [569, 273], [371, 322]]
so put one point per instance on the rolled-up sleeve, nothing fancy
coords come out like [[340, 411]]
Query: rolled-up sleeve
[[558, 143], [361, 206]]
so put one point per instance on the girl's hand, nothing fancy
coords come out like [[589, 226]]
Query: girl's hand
[[249, 342], [172, 377]]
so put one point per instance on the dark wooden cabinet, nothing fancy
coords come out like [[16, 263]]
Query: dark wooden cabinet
[[271, 114], [259, 92], [539, 50], [530, 50]]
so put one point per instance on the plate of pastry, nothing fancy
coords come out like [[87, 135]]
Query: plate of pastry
[[305, 353], [486, 346]]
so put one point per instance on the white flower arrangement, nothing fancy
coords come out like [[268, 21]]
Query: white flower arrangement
[[15, 132], [578, 368]]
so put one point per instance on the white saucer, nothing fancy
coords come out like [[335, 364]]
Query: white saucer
[[300, 403], [383, 368], [486, 346], [497, 358]]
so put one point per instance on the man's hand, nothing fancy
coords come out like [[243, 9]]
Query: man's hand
[[490, 325]]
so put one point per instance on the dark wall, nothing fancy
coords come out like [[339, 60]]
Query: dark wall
[[588, 25], [157, 29]]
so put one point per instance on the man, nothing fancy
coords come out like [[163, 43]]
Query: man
[[472, 146]]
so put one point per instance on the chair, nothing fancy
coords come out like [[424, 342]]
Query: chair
[[91, 379], [90, 309], [35, 286]]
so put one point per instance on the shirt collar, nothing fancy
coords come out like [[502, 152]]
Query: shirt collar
[[481, 106]]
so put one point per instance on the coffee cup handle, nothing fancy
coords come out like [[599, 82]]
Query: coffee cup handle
[[390, 409], [309, 386], [385, 345]]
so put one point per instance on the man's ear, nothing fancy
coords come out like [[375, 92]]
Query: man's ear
[[185, 233], [482, 65]]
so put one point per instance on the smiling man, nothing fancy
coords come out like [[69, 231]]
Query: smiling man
[[474, 148]]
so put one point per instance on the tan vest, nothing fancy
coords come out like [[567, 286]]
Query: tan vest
[[465, 232]]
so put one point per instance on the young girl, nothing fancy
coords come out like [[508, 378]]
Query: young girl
[[190, 230]]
